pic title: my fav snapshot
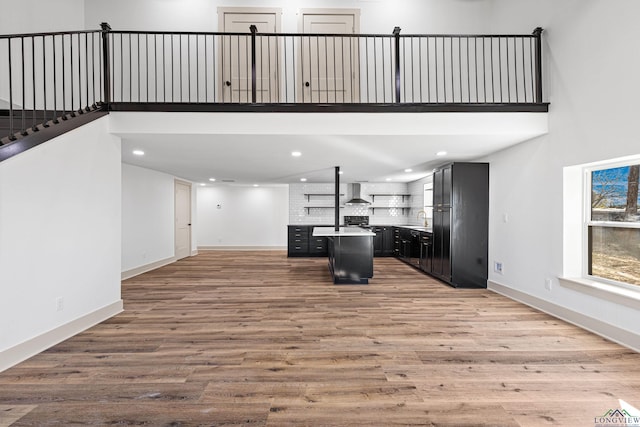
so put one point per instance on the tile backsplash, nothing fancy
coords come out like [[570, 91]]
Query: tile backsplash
[[392, 203]]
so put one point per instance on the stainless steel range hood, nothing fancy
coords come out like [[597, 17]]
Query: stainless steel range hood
[[355, 196]]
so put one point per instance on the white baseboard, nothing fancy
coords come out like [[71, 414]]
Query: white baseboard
[[613, 333], [242, 248], [14, 355], [145, 268]]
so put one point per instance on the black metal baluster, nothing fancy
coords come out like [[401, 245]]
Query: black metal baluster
[[459, 66], [317, 85], [335, 76], [11, 129], [366, 54], [475, 62], [93, 68], [413, 80], [33, 77], [506, 41], [180, 64], [444, 68], [79, 76], [396, 34], [189, 67], [515, 66], [533, 91], [326, 70], [86, 70], [64, 81], [206, 74], [453, 92], [435, 48], [55, 84], [121, 67], [469, 69], [484, 71], [198, 68], [375, 66], [248, 62], [500, 68], [269, 64], [44, 84], [428, 66], [384, 77], [138, 59], [22, 99], [342, 63], [173, 90], [164, 80]]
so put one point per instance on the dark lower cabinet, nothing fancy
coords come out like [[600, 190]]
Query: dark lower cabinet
[[383, 241], [441, 264], [426, 251], [302, 243]]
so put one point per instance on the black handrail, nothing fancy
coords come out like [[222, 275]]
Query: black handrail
[[86, 70]]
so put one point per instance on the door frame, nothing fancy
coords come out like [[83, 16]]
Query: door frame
[[177, 182], [355, 79], [222, 11]]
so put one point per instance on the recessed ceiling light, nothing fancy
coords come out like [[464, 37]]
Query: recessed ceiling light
[[408, 170], [441, 153], [388, 179], [138, 152], [255, 185], [296, 153], [303, 179], [212, 179], [202, 184]]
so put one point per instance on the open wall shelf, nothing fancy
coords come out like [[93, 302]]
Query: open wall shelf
[[310, 195], [404, 196]]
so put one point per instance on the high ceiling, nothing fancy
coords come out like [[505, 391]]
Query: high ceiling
[[255, 148]]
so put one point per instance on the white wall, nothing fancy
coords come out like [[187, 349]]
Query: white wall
[[248, 216], [34, 16], [147, 216], [59, 233], [592, 67], [413, 16]]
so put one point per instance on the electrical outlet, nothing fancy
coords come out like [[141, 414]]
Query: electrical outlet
[[548, 284], [59, 304], [498, 267]]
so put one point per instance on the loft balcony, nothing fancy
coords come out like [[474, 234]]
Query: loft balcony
[[56, 78]]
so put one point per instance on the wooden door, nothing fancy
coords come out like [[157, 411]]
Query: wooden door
[[235, 55], [329, 65], [182, 219]]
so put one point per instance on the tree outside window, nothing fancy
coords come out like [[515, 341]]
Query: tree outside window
[[614, 225]]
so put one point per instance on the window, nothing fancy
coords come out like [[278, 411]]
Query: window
[[612, 224], [427, 205]]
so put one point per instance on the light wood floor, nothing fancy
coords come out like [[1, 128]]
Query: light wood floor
[[255, 338]]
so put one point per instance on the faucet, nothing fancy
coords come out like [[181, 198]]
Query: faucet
[[426, 222]]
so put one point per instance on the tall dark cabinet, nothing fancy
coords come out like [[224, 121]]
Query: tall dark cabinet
[[461, 224]]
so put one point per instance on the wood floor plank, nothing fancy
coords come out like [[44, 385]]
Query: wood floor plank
[[256, 338]]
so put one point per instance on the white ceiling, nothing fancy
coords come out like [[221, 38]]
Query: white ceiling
[[255, 148]]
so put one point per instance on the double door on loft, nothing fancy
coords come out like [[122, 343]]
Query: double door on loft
[[327, 68]]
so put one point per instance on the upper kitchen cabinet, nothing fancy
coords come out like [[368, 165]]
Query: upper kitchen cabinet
[[461, 224]]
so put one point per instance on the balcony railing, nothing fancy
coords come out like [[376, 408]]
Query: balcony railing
[[45, 78]]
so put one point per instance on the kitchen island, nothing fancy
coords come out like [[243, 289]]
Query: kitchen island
[[350, 253]]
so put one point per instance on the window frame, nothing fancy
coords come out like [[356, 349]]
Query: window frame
[[588, 222]]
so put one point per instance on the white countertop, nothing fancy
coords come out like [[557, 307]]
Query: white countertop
[[343, 231]]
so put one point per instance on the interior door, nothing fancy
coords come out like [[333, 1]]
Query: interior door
[[182, 219], [235, 55], [329, 65]]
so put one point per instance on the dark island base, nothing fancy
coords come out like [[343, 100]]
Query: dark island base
[[351, 259]]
